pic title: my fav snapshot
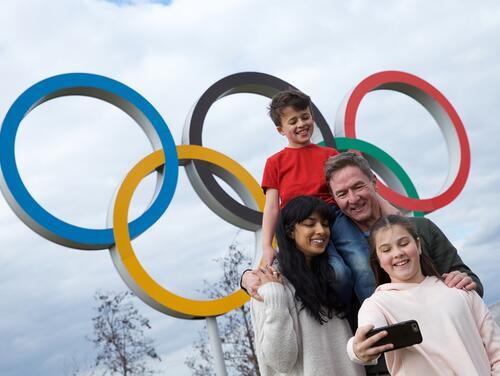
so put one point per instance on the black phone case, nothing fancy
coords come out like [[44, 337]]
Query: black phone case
[[402, 334]]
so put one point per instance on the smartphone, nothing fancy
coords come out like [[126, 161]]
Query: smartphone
[[402, 334]]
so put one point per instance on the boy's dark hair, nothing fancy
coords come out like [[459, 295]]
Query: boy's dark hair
[[426, 263], [294, 98]]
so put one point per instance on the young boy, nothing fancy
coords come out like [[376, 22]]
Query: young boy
[[298, 170]]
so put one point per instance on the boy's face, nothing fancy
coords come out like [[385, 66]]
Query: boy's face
[[297, 126]]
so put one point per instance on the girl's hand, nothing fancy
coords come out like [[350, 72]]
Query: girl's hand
[[268, 274], [364, 347]]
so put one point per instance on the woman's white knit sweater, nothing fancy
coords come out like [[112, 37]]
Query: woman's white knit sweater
[[290, 341]]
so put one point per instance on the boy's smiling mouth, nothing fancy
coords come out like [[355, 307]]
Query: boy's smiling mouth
[[302, 132]]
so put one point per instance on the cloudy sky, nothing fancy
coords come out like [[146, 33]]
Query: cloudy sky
[[73, 153]]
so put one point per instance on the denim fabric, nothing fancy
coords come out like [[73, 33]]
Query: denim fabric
[[343, 276], [349, 258]]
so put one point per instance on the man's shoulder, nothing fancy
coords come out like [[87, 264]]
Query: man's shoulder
[[425, 228], [421, 222]]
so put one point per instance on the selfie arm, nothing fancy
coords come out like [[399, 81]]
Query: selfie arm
[[360, 349]]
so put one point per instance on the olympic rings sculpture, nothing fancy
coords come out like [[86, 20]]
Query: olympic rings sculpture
[[202, 164]]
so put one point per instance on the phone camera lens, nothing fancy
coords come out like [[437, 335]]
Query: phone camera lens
[[414, 327]]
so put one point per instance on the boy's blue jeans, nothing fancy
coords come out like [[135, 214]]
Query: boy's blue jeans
[[348, 254]]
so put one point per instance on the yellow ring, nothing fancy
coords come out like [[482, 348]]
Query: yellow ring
[[124, 256]]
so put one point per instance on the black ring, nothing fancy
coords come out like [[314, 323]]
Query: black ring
[[198, 171]]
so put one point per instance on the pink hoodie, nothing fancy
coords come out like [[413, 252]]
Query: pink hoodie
[[459, 334]]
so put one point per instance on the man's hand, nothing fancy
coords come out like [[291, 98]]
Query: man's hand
[[386, 208], [251, 282], [459, 280], [364, 347]]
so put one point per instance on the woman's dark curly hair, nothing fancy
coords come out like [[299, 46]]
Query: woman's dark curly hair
[[381, 276], [314, 285]]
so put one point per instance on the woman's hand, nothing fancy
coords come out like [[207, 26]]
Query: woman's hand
[[268, 274], [364, 347]]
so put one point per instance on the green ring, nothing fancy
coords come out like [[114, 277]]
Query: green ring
[[344, 143]]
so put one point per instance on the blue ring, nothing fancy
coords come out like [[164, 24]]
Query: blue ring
[[112, 92]]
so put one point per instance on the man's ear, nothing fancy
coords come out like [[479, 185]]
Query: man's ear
[[374, 182], [280, 130]]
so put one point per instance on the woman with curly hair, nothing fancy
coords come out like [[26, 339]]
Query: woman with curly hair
[[300, 327]]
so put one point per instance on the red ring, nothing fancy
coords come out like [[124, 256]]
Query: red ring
[[378, 81]]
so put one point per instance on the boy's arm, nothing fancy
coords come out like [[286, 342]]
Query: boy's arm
[[250, 281], [269, 219]]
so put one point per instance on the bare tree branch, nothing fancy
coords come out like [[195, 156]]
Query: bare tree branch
[[122, 347], [234, 327]]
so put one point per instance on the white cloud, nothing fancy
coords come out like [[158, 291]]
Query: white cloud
[[74, 153]]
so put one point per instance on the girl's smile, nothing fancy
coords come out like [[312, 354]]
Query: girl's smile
[[399, 254]]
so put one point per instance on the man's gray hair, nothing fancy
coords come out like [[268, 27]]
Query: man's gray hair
[[342, 160]]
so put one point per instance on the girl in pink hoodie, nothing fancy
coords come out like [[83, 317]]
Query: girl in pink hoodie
[[459, 334]]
